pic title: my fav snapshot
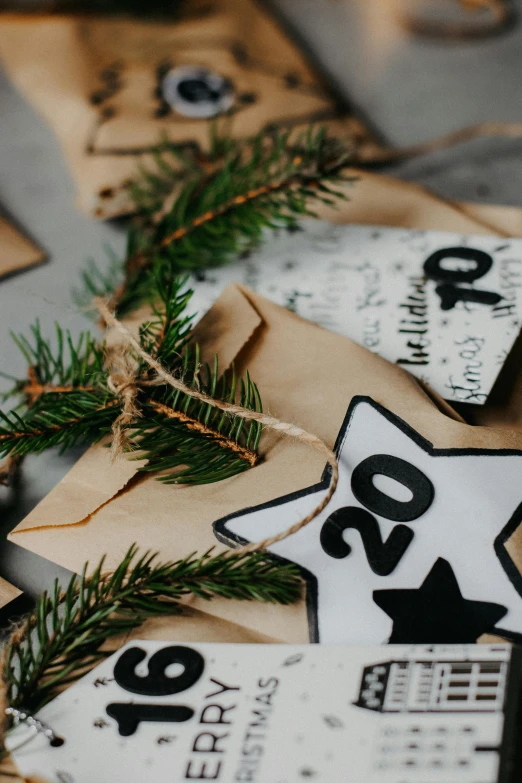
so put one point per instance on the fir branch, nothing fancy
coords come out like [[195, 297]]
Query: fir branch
[[69, 397], [154, 190], [225, 205], [63, 637], [220, 445]]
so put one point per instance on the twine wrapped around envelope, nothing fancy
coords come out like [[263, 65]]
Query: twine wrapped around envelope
[[127, 384]]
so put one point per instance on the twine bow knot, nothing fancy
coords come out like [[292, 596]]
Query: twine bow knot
[[124, 383]]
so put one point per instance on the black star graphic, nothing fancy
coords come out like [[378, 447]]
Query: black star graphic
[[332, 619], [437, 613]]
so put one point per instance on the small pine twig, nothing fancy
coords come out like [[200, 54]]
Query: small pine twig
[[73, 394], [221, 210], [63, 637]]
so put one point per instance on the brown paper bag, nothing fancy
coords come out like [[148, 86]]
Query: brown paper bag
[[105, 82], [306, 375], [16, 251]]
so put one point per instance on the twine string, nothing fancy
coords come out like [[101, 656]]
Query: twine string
[[123, 383], [500, 17], [128, 388]]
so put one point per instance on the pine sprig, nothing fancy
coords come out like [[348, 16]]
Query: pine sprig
[[67, 399], [224, 207], [229, 444], [64, 399], [63, 637], [155, 189]]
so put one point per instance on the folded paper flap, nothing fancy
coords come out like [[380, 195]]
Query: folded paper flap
[[324, 371], [376, 200], [95, 479], [91, 483], [8, 592], [227, 327], [16, 251]]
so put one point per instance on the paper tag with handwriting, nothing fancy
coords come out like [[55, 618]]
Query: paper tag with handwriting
[[159, 711], [445, 306]]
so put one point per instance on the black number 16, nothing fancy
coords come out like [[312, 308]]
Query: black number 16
[[156, 683]]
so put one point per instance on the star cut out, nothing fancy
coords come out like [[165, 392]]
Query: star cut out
[[475, 509], [437, 613]]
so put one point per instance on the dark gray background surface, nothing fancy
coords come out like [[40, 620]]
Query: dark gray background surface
[[409, 90]]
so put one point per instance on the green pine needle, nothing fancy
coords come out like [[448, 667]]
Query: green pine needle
[[66, 399], [62, 638], [192, 216]]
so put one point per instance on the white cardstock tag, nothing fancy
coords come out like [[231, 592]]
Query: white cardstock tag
[[445, 306], [411, 548], [158, 712]]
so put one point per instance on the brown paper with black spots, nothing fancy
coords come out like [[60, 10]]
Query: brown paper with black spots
[[113, 86]]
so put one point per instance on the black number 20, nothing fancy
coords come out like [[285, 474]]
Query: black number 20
[[129, 714], [383, 556]]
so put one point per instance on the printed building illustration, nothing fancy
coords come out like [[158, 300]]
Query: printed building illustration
[[441, 714], [434, 686]]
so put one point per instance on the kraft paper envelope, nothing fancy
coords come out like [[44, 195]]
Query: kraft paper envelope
[[305, 375], [8, 593], [378, 200], [13, 603], [112, 86], [16, 251]]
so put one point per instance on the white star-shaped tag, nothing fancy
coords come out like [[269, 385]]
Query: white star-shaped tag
[[401, 505]]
